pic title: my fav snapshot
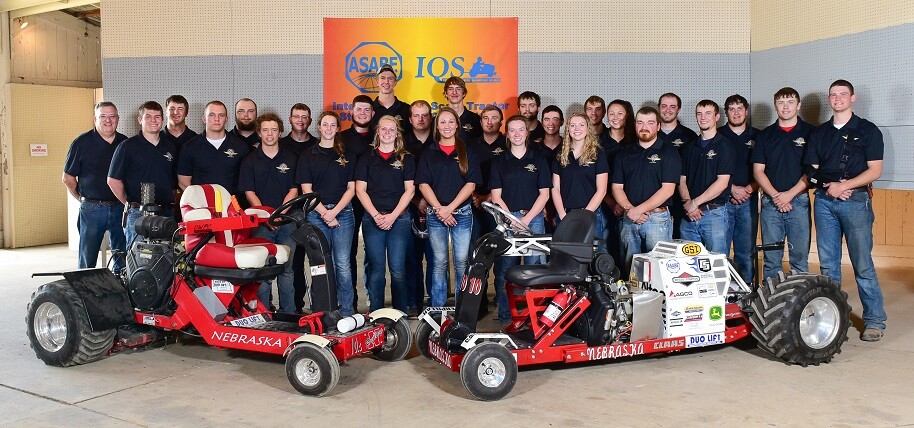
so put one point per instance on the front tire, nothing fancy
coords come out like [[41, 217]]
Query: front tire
[[59, 330], [488, 371], [312, 370], [424, 333], [800, 318], [397, 340]]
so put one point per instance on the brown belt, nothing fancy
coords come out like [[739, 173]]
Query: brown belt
[[710, 206]]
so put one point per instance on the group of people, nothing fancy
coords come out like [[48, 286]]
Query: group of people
[[413, 183]]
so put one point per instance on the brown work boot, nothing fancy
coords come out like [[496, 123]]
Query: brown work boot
[[871, 335]]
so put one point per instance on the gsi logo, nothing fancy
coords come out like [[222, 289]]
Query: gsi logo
[[363, 63]]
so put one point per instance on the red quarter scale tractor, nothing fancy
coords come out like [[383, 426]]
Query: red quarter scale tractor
[[208, 287], [574, 309]]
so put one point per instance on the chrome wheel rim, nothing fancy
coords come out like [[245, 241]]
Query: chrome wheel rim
[[50, 327], [391, 338], [819, 322], [308, 372], [491, 372]]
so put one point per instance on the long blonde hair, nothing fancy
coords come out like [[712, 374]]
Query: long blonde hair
[[591, 143], [398, 142]]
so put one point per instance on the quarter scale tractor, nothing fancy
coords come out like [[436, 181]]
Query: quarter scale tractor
[[207, 286], [574, 309]]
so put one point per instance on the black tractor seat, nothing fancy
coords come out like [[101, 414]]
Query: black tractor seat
[[571, 252], [240, 276]]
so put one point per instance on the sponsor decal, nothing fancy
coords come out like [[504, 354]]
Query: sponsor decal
[[735, 314], [700, 340], [700, 264], [318, 270], [711, 154], [675, 295], [221, 286], [283, 168], [685, 278], [439, 353], [662, 345], [374, 339], [246, 339], [694, 308], [672, 266], [149, 320], [716, 313], [676, 313], [707, 290], [249, 321], [694, 317], [654, 158], [615, 351], [691, 249]]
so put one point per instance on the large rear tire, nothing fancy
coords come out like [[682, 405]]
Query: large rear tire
[[800, 318], [488, 371], [59, 330]]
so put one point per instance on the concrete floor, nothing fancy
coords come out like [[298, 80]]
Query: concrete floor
[[191, 384]]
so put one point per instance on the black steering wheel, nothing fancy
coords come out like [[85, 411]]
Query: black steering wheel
[[306, 203], [507, 221]]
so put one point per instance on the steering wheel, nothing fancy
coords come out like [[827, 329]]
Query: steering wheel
[[306, 203], [506, 220]]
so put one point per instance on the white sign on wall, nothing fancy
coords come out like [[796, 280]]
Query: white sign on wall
[[38, 149]]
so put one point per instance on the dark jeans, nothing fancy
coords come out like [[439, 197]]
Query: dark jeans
[[93, 221]]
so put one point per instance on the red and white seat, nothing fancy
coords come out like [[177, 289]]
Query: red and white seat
[[228, 249]]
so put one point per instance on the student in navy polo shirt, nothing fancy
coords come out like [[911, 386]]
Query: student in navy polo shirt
[[387, 103], [267, 178], [528, 105], [143, 158], [621, 118], [177, 131], [674, 132], [85, 174], [778, 167], [742, 207], [328, 170], [520, 183], [447, 175], [420, 137], [553, 119], [384, 185], [487, 147], [299, 139], [644, 180], [621, 130], [595, 110], [455, 90], [420, 120], [581, 173], [849, 149], [358, 140], [707, 164], [245, 129], [214, 156]]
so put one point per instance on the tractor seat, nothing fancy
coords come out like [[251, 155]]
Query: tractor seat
[[571, 252], [229, 249], [239, 276]]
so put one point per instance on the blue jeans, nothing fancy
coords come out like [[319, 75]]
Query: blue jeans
[[641, 238], [286, 280], [460, 241], [599, 228], [538, 226], [852, 218], [133, 214], [795, 226], [711, 230], [386, 247], [742, 234], [415, 253], [94, 219], [340, 239]]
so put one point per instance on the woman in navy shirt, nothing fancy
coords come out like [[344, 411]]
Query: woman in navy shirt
[[384, 184], [580, 174], [447, 175], [520, 183], [326, 169]]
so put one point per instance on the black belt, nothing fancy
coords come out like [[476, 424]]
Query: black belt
[[709, 206], [101, 202]]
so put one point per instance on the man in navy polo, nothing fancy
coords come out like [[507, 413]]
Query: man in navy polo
[[415, 141], [455, 90], [358, 137], [299, 138], [849, 151], [214, 156], [143, 158], [176, 107], [595, 110], [420, 121], [707, 164], [742, 208], [245, 129], [490, 145], [671, 129], [644, 178], [779, 170], [267, 178], [387, 103], [85, 174], [528, 105]]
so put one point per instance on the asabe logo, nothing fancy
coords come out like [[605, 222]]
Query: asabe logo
[[363, 63]]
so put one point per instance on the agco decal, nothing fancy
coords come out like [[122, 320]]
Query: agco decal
[[615, 351], [246, 339]]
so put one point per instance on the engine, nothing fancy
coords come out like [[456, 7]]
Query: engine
[[150, 262]]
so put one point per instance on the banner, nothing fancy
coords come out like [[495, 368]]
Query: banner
[[424, 52]]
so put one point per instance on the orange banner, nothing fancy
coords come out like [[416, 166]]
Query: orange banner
[[424, 52]]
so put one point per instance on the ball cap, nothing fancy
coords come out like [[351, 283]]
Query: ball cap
[[387, 67]]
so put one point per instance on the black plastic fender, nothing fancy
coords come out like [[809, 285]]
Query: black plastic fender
[[103, 295]]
